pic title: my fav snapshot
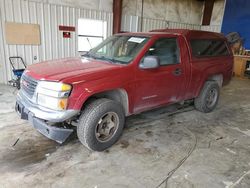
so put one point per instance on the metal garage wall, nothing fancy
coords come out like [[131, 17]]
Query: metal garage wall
[[149, 24], [49, 17], [183, 25], [213, 28], [133, 24], [130, 23]]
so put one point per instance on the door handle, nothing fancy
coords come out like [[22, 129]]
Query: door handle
[[177, 72]]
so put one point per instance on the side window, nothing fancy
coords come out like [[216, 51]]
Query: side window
[[207, 47], [166, 49]]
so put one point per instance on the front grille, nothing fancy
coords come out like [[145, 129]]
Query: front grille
[[28, 85]]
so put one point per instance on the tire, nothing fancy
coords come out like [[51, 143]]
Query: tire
[[101, 124], [205, 104]]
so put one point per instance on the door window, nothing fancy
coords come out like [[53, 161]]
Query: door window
[[167, 50]]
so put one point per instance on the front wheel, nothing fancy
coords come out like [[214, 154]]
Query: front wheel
[[101, 124], [208, 97]]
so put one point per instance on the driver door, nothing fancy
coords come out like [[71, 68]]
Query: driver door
[[162, 85]]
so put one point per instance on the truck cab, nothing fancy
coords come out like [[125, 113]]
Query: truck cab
[[126, 74]]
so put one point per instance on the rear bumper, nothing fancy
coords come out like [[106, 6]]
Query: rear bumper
[[41, 119]]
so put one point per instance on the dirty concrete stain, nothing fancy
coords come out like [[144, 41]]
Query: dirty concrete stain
[[25, 153], [124, 143], [139, 140], [246, 132], [149, 133]]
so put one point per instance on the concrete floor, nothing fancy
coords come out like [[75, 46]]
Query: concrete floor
[[157, 149]]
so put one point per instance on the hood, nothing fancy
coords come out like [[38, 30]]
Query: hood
[[58, 70]]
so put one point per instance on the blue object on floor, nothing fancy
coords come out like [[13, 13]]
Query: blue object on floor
[[16, 62]]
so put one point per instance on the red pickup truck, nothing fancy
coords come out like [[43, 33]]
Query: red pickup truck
[[126, 74]]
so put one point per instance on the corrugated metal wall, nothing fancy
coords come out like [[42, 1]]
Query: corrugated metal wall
[[133, 24], [49, 17], [130, 23], [213, 28], [149, 24]]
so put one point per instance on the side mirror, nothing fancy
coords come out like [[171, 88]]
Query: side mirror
[[150, 62]]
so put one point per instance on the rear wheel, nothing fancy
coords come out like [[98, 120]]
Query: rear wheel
[[208, 97], [101, 124]]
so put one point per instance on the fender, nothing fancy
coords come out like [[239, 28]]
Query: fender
[[211, 75], [95, 87]]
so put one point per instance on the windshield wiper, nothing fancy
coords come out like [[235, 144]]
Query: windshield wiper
[[106, 59], [102, 57], [87, 54]]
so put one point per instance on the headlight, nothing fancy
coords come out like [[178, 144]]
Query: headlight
[[53, 95], [54, 86], [52, 102]]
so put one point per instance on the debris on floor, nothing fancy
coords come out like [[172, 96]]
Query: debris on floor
[[15, 142]]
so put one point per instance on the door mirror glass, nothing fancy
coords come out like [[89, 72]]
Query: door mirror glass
[[150, 62]]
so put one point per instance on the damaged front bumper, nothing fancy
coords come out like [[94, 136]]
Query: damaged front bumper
[[42, 120]]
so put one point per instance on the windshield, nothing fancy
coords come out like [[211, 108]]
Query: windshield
[[118, 49]]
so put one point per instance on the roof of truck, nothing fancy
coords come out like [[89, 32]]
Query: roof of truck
[[188, 33]]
